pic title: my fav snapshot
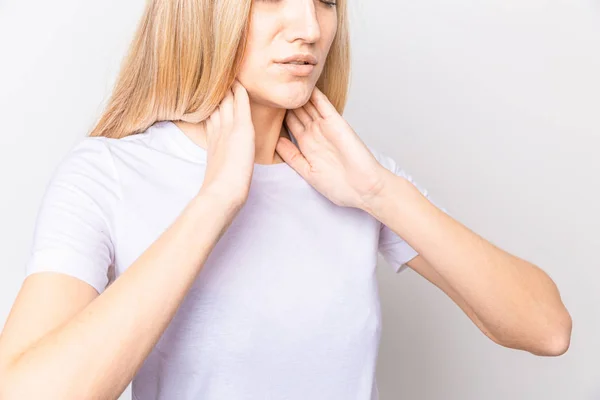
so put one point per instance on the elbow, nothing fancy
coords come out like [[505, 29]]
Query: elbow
[[549, 339], [556, 339]]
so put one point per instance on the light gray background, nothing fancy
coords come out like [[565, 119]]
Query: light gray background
[[494, 106]]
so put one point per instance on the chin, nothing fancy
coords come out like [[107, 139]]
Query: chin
[[289, 95]]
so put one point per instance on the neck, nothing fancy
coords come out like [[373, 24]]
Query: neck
[[268, 127]]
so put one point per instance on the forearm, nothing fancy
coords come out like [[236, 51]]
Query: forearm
[[97, 353], [515, 300]]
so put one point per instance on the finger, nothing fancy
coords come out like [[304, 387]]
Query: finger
[[293, 156], [294, 124], [322, 103], [312, 110], [226, 110], [241, 102], [303, 116]]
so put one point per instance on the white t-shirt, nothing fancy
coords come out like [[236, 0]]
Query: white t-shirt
[[285, 307]]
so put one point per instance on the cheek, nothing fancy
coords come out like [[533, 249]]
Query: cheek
[[245, 68], [328, 25], [250, 73], [329, 35], [255, 60]]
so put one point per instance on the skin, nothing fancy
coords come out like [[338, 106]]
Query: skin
[[278, 29], [511, 300], [100, 340]]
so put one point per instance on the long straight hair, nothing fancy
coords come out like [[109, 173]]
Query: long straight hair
[[184, 56]]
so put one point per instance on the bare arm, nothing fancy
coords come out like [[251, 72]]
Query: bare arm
[[64, 341], [512, 301], [92, 346], [424, 268]]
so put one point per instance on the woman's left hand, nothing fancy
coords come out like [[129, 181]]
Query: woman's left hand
[[331, 158]]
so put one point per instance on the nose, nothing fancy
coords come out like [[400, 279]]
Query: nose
[[302, 22]]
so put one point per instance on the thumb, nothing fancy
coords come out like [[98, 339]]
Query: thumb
[[292, 156]]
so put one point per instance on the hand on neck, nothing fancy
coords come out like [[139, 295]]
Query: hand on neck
[[268, 127]]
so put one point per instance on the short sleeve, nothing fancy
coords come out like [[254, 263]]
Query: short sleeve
[[395, 250], [72, 232]]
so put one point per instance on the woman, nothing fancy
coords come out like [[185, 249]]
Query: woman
[[244, 236]]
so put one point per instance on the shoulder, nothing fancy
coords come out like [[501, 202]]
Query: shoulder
[[137, 148], [91, 146], [86, 170], [89, 156], [99, 155]]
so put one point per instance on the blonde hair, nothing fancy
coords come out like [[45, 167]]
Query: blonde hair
[[185, 55]]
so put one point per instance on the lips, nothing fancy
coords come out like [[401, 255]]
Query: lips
[[299, 64], [299, 59], [299, 70]]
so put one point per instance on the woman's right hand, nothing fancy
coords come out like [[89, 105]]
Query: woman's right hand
[[230, 147]]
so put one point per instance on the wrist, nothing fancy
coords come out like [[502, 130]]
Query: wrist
[[394, 188], [373, 203], [218, 204], [221, 200]]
